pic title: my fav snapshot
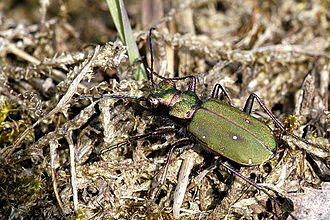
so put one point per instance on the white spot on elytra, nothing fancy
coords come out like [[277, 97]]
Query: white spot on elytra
[[203, 136], [235, 137], [250, 161]]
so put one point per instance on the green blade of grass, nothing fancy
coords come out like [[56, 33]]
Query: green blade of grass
[[121, 21]]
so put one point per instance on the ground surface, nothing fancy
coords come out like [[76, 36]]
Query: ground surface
[[50, 142]]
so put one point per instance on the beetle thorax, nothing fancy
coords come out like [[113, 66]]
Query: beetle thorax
[[184, 104]]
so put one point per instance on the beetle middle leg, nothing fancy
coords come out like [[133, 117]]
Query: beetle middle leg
[[216, 91], [248, 109]]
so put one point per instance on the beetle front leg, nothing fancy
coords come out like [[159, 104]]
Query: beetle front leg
[[179, 143], [155, 187], [192, 84], [216, 91], [248, 109]]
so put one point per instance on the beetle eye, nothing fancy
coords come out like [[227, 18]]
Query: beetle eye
[[153, 101]]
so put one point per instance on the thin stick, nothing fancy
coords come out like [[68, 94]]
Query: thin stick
[[68, 137], [53, 146]]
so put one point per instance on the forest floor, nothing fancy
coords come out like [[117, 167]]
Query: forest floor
[[52, 141]]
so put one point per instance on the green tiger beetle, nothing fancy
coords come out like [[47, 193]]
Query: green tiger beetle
[[214, 123]]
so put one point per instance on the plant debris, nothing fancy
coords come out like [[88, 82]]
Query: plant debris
[[51, 139]]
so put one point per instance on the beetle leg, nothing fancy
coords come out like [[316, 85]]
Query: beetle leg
[[251, 182], [278, 123], [216, 91], [192, 84], [157, 132], [179, 143], [160, 178], [248, 109]]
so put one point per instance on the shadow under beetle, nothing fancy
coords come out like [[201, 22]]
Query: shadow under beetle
[[216, 124]]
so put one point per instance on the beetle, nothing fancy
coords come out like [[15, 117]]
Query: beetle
[[215, 123]]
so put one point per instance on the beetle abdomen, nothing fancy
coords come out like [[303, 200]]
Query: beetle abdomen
[[233, 133]]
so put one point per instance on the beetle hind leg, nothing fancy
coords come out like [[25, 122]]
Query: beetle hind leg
[[278, 123], [285, 204]]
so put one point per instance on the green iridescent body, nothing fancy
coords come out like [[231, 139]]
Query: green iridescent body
[[219, 126], [232, 133]]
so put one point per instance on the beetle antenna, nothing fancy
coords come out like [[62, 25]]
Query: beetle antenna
[[151, 57], [99, 96]]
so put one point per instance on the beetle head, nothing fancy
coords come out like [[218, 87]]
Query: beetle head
[[182, 104], [164, 94]]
